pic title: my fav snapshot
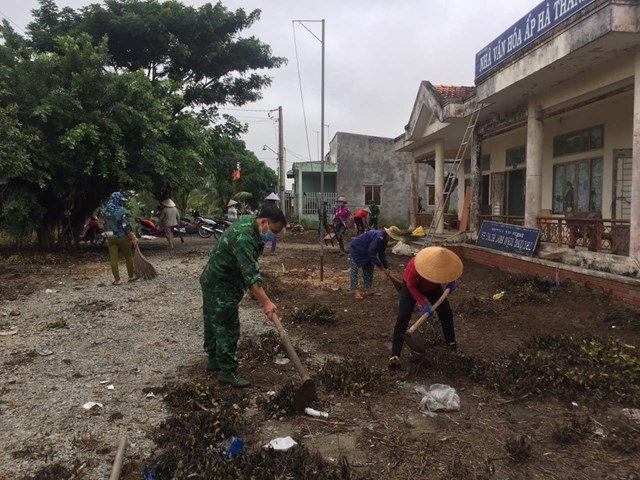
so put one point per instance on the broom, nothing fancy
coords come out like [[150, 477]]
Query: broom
[[395, 281], [141, 265]]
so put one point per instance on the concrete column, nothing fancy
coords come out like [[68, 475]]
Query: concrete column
[[415, 189], [299, 194], [439, 181], [634, 245], [533, 194], [474, 214]]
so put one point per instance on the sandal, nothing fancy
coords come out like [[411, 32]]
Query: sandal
[[117, 282], [133, 279]]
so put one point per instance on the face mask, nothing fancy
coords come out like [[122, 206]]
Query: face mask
[[268, 236], [341, 204]]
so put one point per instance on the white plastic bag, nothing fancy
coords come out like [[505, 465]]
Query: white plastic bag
[[402, 248], [438, 397]]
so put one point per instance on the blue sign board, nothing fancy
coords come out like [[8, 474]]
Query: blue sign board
[[508, 238], [538, 21]]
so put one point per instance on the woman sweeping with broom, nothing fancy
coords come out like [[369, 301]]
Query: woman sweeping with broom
[[120, 236]]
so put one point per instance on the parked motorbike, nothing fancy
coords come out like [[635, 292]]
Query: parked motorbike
[[208, 226], [92, 232], [148, 227]]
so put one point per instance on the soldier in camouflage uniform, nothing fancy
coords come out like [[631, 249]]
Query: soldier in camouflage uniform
[[233, 269]]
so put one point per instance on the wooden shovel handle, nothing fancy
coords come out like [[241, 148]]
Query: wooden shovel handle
[[424, 317], [291, 352]]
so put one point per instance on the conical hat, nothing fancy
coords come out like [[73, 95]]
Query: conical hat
[[438, 265], [273, 196], [168, 203], [395, 233], [341, 199], [231, 203]]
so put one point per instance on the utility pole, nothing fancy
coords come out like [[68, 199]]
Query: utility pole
[[282, 177], [322, 205]]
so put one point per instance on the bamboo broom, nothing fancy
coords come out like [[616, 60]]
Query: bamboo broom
[[142, 266]]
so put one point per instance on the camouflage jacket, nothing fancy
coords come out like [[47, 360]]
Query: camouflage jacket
[[233, 264]]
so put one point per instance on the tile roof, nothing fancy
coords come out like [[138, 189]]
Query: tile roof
[[451, 92]]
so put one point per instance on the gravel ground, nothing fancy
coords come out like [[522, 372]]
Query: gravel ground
[[80, 334]]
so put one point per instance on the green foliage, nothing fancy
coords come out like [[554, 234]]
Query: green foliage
[[123, 96], [20, 213]]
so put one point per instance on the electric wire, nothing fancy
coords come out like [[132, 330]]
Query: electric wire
[[304, 113], [14, 23]]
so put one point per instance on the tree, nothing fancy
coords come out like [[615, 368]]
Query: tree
[[224, 155], [121, 96], [199, 50]]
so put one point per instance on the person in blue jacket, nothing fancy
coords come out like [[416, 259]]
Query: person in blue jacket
[[366, 251]]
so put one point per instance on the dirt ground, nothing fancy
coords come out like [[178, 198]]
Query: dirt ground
[[66, 334]]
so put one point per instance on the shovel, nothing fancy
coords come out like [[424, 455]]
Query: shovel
[[417, 342], [306, 394]]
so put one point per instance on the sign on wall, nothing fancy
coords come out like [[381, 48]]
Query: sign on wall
[[508, 238], [537, 22]]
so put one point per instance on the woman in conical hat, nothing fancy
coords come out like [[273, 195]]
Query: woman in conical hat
[[232, 211], [423, 278]]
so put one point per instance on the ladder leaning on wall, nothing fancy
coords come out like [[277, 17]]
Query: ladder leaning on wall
[[450, 181]]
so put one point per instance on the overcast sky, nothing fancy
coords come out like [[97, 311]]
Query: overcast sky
[[377, 52]]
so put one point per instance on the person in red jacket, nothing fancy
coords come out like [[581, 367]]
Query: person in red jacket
[[361, 217], [423, 278]]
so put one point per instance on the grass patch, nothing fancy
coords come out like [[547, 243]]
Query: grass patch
[[316, 314], [352, 377], [588, 368]]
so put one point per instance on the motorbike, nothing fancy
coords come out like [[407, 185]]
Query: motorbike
[[92, 232], [148, 227], [208, 226]]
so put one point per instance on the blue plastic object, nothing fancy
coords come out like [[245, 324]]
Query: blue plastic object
[[235, 448], [148, 475], [427, 310]]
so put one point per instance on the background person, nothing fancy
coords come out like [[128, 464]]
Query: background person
[[120, 236], [231, 271], [272, 200], [423, 276], [232, 211], [373, 215], [366, 251], [361, 219], [341, 221], [169, 219]]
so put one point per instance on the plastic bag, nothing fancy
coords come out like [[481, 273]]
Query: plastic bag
[[438, 397], [402, 248]]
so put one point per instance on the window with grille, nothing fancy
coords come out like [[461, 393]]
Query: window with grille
[[516, 156], [591, 138], [372, 194], [577, 186]]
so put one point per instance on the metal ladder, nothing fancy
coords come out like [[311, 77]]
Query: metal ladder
[[450, 180]]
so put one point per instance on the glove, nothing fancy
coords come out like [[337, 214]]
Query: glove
[[452, 287], [427, 310]]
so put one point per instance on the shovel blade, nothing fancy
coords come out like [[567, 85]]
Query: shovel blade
[[415, 342], [305, 395]]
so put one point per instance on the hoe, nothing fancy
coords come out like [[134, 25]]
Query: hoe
[[306, 394], [417, 342]]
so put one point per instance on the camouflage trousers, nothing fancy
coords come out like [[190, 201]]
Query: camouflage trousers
[[221, 328]]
